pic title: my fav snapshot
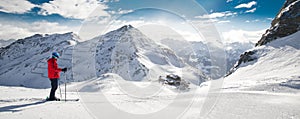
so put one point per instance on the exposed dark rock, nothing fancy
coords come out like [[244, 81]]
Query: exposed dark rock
[[244, 58], [285, 23]]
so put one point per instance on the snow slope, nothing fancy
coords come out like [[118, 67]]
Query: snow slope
[[276, 66], [99, 98], [111, 97], [267, 87], [27, 103]]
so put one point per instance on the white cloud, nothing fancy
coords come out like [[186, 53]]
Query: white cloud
[[157, 32], [16, 6], [242, 36], [190, 36], [100, 25], [217, 15], [246, 5], [251, 11], [271, 19], [78, 9], [120, 11], [48, 27], [226, 21], [256, 20], [111, 0], [17, 30], [229, 1], [124, 11], [12, 32]]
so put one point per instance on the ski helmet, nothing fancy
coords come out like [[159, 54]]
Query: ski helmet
[[55, 54]]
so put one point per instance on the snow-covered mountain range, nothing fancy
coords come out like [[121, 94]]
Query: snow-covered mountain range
[[198, 55], [125, 51]]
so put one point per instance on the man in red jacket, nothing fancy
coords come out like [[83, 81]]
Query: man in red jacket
[[53, 74]]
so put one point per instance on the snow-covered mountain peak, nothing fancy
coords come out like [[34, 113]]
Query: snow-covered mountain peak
[[129, 53], [132, 37], [123, 29], [126, 27]]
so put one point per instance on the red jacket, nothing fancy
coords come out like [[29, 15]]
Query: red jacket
[[53, 70]]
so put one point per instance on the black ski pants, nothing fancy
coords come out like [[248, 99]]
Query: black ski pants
[[54, 85]]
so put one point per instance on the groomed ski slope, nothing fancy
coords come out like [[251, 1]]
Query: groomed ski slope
[[103, 99]]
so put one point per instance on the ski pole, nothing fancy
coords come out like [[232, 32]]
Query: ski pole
[[59, 90], [66, 87]]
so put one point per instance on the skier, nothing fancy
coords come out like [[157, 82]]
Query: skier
[[53, 74]]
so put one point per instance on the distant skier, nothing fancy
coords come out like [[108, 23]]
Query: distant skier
[[53, 74]]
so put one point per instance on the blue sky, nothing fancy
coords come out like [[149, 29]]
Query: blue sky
[[248, 18]]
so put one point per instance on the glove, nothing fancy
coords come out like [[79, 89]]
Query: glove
[[64, 69]]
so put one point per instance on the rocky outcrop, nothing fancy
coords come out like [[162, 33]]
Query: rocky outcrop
[[285, 23], [246, 57]]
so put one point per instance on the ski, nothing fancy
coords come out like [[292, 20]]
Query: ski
[[69, 100], [76, 99]]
